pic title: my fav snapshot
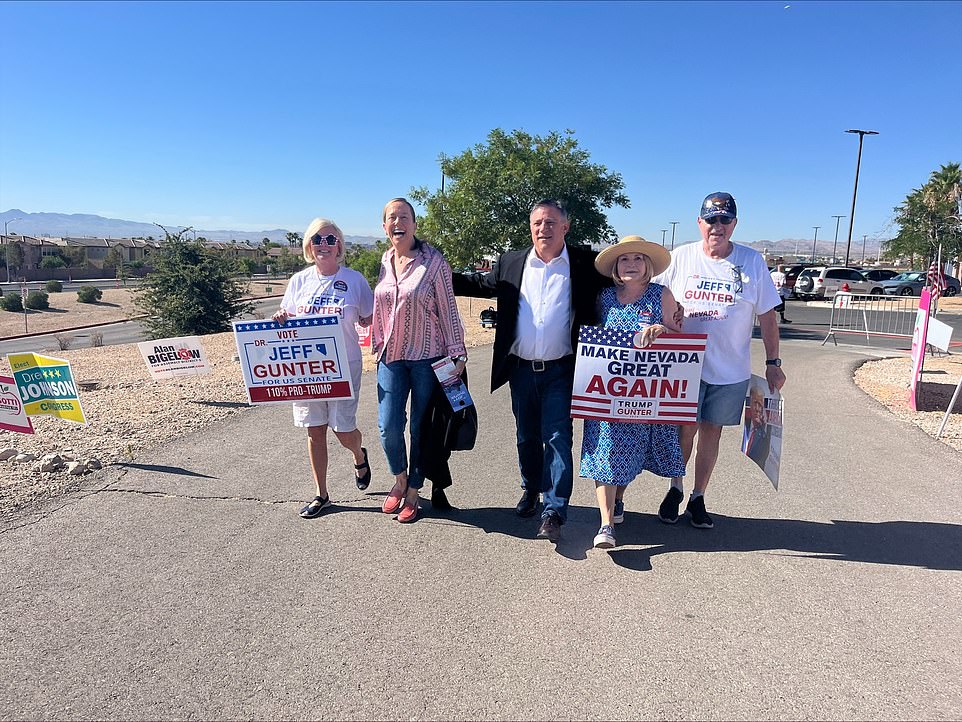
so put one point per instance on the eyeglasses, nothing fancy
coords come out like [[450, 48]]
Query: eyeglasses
[[330, 239], [724, 220]]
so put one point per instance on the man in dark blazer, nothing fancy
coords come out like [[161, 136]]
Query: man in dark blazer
[[544, 294]]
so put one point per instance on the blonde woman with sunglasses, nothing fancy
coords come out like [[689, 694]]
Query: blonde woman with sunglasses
[[326, 288]]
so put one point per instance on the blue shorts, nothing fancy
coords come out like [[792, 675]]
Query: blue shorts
[[722, 404]]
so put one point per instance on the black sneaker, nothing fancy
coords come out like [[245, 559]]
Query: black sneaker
[[668, 511], [699, 517]]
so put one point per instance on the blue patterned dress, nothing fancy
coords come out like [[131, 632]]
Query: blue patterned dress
[[615, 452]]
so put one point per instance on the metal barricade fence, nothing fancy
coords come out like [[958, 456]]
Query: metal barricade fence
[[889, 316]]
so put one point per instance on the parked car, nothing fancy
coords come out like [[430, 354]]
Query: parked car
[[791, 274], [823, 282], [880, 274], [911, 283]]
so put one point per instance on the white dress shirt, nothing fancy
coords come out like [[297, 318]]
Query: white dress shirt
[[544, 309]]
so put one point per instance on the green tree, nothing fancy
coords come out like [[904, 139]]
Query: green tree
[[366, 261], [484, 209], [247, 266], [13, 255], [293, 239], [192, 290], [56, 261], [929, 217]]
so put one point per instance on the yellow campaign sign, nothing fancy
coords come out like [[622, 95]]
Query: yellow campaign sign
[[46, 386]]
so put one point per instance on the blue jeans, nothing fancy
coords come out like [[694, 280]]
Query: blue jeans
[[395, 382], [541, 402]]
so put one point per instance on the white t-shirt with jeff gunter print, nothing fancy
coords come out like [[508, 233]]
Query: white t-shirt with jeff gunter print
[[721, 298], [346, 294]]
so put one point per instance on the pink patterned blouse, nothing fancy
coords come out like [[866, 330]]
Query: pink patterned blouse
[[416, 316]]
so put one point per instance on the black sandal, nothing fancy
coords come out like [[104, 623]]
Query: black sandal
[[317, 505], [364, 480]]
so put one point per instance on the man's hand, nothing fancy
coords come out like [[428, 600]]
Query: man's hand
[[775, 377], [679, 317], [280, 317]]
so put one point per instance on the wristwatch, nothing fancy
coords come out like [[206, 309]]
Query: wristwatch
[[773, 362], [462, 358]]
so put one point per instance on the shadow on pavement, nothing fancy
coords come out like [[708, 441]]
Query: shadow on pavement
[[928, 545], [166, 470]]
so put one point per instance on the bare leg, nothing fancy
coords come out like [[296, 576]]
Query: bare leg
[[351, 440], [317, 453], [606, 501], [686, 434], [709, 436]]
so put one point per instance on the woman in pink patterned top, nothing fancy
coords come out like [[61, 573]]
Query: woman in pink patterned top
[[416, 322]]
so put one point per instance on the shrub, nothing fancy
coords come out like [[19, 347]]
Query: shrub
[[89, 294], [96, 339], [38, 300], [64, 342], [54, 286], [11, 302]]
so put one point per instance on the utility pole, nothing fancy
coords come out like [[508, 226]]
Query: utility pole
[[663, 232], [858, 165], [673, 224], [814, 241], [835, 246], [863, 248]]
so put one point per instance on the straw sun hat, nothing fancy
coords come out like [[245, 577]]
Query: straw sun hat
[[660, 258]]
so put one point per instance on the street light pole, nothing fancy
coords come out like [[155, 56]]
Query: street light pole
[[5, 254], [835, 246], [863, 248], [673, 224], [858, 165], [814, 241], [663, 232]]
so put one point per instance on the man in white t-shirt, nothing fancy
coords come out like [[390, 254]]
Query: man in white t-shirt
[[778, 278], [723, 287]]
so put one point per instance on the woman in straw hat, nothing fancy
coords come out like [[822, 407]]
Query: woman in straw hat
[[613, 453]]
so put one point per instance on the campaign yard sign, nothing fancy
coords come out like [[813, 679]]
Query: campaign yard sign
[[12, 414], [617, 381], [46, 386], [303, 360], [764, 427], [919, 335], [170, 357]]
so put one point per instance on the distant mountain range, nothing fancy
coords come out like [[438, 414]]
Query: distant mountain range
[[78, 225], [81, 224]]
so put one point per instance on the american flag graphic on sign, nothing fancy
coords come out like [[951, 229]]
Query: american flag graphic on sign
[[617, 381]]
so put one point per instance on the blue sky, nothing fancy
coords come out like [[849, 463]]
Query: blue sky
[[253, 116]]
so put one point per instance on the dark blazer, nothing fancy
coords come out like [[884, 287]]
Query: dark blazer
[[504, 283], [444, 430]]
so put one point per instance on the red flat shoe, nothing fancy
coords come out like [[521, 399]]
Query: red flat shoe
[[395, 499], [409, 512]]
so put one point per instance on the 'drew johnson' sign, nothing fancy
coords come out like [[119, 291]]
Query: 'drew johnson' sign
[[46, 386]]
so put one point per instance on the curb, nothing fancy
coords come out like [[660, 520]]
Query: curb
[[105, 323]]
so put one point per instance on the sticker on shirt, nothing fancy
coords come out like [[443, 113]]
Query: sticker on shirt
[[709, 299], [340, 286]]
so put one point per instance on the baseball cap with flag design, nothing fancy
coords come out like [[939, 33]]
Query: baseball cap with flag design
[[718, 204]]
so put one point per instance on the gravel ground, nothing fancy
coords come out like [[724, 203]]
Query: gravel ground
[[130, 413]]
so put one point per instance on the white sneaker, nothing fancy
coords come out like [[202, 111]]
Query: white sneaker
[[605, 538]]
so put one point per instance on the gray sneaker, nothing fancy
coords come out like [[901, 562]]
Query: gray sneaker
[[605, 538]]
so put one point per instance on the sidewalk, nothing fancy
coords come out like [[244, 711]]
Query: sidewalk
[[186, 586]]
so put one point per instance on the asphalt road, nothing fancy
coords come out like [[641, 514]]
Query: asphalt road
[[184, 585]]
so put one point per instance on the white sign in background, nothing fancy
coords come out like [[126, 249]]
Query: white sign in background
[[305, 359], [167, 358]]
